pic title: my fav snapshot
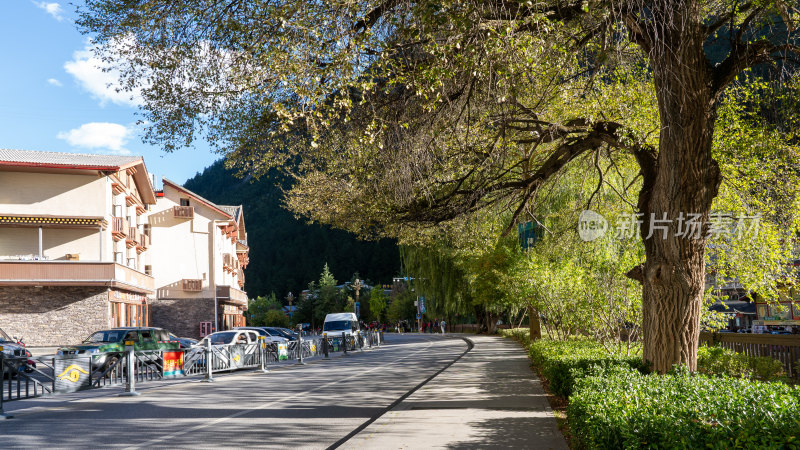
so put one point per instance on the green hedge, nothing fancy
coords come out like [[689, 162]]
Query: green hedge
[[561, 362], [613, 403], [618, 407]]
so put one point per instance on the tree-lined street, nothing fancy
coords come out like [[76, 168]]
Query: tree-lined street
[[311, 406]]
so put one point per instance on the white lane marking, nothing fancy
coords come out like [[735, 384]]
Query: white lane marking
[[173, 435]]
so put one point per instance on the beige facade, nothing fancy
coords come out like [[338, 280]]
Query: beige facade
[[198, 253], [73, 243]]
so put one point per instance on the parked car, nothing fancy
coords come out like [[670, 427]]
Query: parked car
[[113, 340], [12, 349], [263, 331], [282, 332], [183, 342], [235, 336]]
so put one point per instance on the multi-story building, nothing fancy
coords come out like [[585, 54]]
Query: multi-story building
[[73, 244], [198, 255]]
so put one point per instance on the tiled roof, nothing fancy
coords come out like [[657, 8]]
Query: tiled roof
[[76, 160], [234, 211], [207, 202]]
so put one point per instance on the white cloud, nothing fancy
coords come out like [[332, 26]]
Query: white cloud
[[89, 71], [54, 82], [54, 9], [99, 135]]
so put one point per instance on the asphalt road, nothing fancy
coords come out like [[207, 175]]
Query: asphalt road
[[311, 406]]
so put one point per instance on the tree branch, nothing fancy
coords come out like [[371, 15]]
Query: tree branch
[[374, 15], [743, 56]]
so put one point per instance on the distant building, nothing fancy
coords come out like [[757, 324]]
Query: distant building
[[74, 244], [198, 255]]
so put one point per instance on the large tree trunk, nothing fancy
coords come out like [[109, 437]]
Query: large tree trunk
[[683, 180], [534, 324]]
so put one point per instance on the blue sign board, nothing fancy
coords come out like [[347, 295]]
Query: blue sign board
[[419, 316], [358, 309], [422, 305]]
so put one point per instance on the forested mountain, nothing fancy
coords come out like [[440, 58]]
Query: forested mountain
[[287, 253]]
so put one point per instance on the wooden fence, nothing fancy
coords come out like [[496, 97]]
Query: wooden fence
[[784, 348]]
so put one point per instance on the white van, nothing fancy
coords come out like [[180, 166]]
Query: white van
[[338, 323]]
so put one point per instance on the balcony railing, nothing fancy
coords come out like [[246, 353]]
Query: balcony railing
[[232, 295], [143, 243], [119, 227], [183, 212], [74, 273], [134, 237], [228, 262], [192, 285]]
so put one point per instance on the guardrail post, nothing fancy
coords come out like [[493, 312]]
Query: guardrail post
[[380, 337], [130, 385], [262, 348], [360, 340], [3, 415], [344, 343], [209, 353]]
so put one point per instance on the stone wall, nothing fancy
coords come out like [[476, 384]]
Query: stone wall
[[182, 316], [53, 315]]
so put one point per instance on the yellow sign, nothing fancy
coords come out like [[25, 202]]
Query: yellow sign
[[72, 373], [236, 358], [313, 348], [129, 343]]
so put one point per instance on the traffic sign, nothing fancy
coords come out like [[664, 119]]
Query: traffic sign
[[419, 316]]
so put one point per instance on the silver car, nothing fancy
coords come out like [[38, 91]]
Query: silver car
[[263, 331]]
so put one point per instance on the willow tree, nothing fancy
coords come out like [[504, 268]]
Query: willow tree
[[397, 114]]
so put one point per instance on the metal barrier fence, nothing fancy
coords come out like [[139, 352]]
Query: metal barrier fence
[[24, 377], [785, 349]]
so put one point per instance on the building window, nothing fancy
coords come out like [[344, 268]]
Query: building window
[[118, 258], [132, 263], [117, 210], [184, 202], [148, 270]]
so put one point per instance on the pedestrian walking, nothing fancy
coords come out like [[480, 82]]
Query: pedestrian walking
[[442, 324]]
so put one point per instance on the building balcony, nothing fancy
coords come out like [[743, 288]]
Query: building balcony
[[74, 273], [134, 237], [183, 212], [229, 263], [243, 258], [232, 295], [189, 285], [143, 243], [119, 228], [117, 187]]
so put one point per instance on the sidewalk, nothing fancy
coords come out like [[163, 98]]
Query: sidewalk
[[490, 398]]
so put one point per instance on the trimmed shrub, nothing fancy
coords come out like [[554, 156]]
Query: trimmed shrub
[[720, 361], [618, 407], [561, 362]]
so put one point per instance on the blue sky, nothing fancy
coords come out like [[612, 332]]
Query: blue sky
[[54, 98]]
